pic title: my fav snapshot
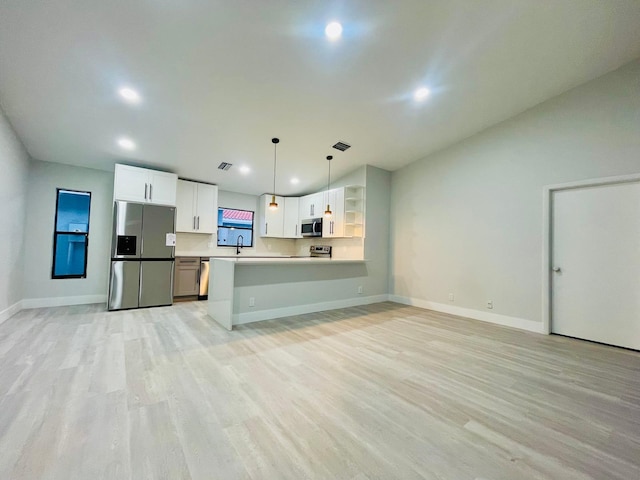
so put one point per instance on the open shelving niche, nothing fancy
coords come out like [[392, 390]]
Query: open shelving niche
[[353, 211]]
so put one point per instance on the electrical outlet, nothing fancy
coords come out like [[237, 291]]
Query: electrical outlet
[[451, 297], [489, 304], [360, 290], [252, 301]]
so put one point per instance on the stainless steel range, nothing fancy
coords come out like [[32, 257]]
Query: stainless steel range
[[320, 251]]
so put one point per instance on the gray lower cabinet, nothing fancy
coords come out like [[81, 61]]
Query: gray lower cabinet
[[187, 277]]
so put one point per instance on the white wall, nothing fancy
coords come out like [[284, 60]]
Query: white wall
[[14, 163], [377, 235], [468, 220], [39, 288]]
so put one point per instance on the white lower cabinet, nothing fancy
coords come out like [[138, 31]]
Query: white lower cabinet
[[135, 184], [197, 207]]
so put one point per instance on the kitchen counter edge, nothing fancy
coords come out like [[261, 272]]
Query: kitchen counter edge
[[286, 261]]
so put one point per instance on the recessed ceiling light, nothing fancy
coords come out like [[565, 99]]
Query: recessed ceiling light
[[333, 30], [244, 169], [295, 181], [129, 95], [126, 143], [421, 94]]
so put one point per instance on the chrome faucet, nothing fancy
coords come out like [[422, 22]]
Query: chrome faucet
[[239, 244]]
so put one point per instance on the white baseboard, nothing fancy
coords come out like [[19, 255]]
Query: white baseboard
[[505, 320], [250, 317], [10, 311], [62, 301]]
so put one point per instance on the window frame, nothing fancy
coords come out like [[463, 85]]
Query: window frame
[[57, 233], [218, 226]]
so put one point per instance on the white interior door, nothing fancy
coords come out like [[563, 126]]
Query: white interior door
[[595, 258]]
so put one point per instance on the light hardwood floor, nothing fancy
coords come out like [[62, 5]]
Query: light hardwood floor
[[383, 391]]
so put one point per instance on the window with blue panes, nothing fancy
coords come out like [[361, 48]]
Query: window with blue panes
[[71, 234]]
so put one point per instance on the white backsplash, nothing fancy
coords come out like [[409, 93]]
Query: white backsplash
[[342, 248], [200, 245]]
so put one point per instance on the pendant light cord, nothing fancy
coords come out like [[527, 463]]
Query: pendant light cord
[[329, 177], [275, 159]]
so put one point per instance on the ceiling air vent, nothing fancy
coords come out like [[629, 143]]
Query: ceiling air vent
[[341, 146], [224, 166]]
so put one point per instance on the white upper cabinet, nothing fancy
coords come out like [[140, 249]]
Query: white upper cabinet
[[207, 208], [292, 217], [333, 226], [186, 206], [271, 221], [311, 206], [197, 207], [162, 187], [142, 185]]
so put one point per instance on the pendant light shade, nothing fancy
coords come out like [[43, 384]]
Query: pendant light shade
[[274, 205], [327, 212]]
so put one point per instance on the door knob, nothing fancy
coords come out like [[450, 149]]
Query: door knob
[[557, 269]]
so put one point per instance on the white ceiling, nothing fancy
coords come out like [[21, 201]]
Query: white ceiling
[[219, 78]]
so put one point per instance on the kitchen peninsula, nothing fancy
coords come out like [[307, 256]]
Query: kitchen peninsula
[[246, 289]]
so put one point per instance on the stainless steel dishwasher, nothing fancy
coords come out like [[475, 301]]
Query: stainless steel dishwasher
[[203, 293]]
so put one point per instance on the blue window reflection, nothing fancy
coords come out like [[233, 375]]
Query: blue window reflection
[[71, 237]]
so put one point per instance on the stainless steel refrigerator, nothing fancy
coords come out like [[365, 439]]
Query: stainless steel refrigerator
[[142, 256]]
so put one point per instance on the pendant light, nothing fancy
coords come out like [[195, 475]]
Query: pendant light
[[273, 205], [327, 212]]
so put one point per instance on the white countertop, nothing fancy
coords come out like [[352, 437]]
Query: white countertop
[[285, 260]]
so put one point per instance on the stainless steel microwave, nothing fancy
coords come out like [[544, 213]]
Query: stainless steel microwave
[[311, 227]]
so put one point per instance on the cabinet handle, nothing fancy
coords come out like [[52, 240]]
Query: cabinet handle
[[146, 186], [198, 217], [150, 192], [296, 229], [266, 227], [194, 222]]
